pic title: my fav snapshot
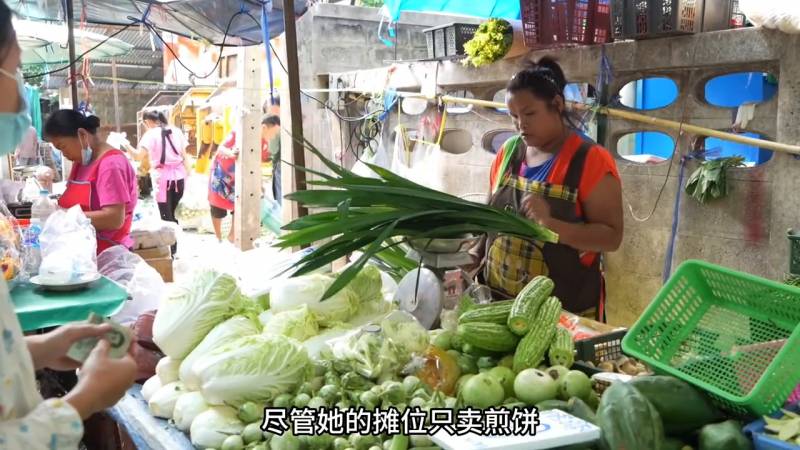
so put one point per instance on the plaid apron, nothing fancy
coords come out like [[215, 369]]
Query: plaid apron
[[512, 262]]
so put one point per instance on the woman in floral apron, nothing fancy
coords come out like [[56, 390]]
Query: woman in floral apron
[[552, 175]]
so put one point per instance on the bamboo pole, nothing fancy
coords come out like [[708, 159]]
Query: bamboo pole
[[654, 122]]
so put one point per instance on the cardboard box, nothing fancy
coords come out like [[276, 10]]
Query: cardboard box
[[163, 266], [154, 253]]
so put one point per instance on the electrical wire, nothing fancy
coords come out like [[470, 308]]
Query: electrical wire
[[79, 57]]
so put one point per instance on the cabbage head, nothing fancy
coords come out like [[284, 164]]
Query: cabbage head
[[210, 428], [298, 323], [162, 402], [290, 293], [368, 284], [190, 311], [187, 408], [253, 368], [230, 330]]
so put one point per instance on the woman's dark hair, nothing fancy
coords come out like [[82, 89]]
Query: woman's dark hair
[[155, 116], [65, 122], [6, 30], [271, 120], [545, 79]]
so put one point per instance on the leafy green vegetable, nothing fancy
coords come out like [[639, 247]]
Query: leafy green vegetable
[[253, 368], [190, 311], [709, 181], [362, 213], [297, 323], [162, 403], [491, 42], [229, 330], [290, 293]]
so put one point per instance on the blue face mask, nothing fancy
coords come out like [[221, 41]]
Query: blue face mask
[[14, 125]]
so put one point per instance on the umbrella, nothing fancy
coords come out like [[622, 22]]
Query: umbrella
[[46, 43]]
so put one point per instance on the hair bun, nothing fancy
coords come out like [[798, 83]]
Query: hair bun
[[92, 122]]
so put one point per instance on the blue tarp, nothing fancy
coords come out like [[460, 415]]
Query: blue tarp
[[204, 19], [504, 9]]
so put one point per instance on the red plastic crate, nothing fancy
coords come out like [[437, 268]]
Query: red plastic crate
[[559, 23]]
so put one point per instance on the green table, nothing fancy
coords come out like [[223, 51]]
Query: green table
[[37, 308]]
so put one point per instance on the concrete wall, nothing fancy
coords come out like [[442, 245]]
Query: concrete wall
[[746, 231]]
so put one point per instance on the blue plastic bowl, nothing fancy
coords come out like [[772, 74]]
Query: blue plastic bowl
[[762, 440]]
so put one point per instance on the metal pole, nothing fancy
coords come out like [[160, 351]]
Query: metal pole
[[115, 86], [295, 109], [71, 42]]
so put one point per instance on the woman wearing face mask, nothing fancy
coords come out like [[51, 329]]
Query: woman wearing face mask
[[102, 181], [26, 419], [553, 176]]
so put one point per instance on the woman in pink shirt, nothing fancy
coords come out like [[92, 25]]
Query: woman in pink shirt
[[102, 180], [166, 146]]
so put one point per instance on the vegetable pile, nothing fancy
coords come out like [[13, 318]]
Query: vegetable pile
[[356, 350]]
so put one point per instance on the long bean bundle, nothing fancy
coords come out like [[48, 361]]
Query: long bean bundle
[[362, 214]]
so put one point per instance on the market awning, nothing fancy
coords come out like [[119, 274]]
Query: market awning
[[46, 43], [503, 9], [201, 19]]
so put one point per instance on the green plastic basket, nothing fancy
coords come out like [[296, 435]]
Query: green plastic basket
[[699, 327]]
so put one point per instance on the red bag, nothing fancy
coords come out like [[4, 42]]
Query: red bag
[[145, 352]]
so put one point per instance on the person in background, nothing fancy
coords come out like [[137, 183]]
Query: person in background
[[550, 175], [166, 146], [26, 419], [270, 130], [222, 185], [275, 150], [27, 153], [102, 180]]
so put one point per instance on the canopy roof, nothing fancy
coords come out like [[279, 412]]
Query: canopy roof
[[202, 19]]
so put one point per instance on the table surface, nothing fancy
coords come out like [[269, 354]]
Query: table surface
[[37, 308], [146, 431]]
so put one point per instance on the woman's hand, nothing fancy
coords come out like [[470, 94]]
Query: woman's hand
[[50, 349], [537, 209], [102, 381]]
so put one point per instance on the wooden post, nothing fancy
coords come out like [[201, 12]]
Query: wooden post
[[247, 216], [295, 152], [115, 87], [71, 43]]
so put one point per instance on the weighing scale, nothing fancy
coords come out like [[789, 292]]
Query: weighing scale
[[439, 282]]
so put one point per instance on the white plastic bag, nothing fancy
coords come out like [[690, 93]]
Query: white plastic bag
[[144, 285], [69, 247], [420, 162], [193, 208], [773, 14]]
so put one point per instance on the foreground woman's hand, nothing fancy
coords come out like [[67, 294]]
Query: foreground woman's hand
[[537, 209], [49, 350], [102, 381]]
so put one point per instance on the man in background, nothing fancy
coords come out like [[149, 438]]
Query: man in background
[[273, 109]]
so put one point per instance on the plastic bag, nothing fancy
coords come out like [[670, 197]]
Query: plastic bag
[[144, 285], [422, 163], [375, 350], [773, 14], [11, 262], [69, 247], [193, 209], [152, 232]]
